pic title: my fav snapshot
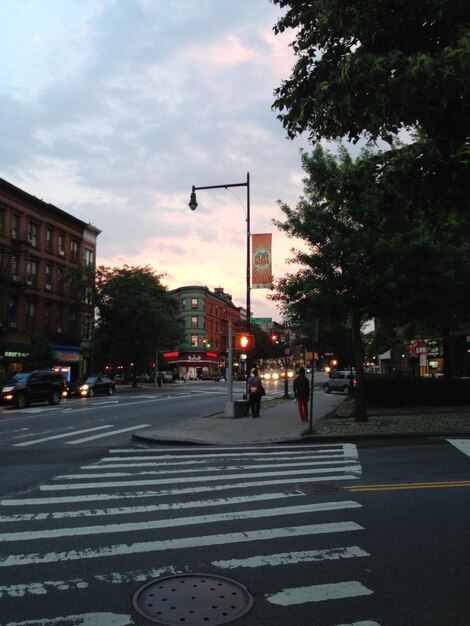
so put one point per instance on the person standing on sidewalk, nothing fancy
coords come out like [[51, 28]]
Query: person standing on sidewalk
[[254, 393], [302, 394]]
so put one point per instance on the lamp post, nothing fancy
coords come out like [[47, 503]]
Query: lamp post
[[193, 207], [230, 408]]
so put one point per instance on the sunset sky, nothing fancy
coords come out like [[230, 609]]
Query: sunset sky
[[113, 109]]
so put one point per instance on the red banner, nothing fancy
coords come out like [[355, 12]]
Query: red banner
[[262, 272]]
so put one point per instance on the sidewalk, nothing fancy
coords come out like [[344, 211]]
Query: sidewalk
[[279, 423]]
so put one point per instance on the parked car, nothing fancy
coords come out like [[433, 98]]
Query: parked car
[[166, 377], [271, 375], [36, 386], [94, 385], [343, 382]]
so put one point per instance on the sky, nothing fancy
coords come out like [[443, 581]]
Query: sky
[[113, 109]]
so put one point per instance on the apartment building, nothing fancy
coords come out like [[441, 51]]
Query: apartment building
[[41, 250], [206, 315]]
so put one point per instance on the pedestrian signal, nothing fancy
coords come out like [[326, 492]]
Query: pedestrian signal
[[244, 342]]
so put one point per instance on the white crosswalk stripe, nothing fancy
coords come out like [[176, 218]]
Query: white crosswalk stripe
[[57, 530]]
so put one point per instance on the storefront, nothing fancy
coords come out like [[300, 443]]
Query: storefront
[[195, 365], [12, 355], [69, 357]]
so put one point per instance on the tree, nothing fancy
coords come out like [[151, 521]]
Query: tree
[[136, 315], [338, 220], [41, 354], [375, 67]]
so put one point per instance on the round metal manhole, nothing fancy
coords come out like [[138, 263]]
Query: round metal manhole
[[319, 489], [192, 599]]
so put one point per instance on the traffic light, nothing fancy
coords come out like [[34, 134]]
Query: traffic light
[[244, 341], [275, 339], [206, 343]]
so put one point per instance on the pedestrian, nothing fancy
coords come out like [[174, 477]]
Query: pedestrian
[[254, 390], [302, 394]]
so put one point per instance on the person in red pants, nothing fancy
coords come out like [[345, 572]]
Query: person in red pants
[[302, 394]]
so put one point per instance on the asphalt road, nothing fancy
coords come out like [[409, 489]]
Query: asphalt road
[[364, 534]]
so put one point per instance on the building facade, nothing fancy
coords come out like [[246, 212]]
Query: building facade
[[206, 315], [42, 249]]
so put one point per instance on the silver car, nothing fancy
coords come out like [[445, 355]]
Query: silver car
[[344, 382]]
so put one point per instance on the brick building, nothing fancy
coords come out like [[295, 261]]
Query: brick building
[[40, 246], [206, 315]]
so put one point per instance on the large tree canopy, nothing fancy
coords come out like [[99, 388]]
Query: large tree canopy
[[377, 66], [135, 314]]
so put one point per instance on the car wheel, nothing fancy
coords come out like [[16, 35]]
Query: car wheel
[[21, 401], [110, 391], [346, 390], [55, 398], [91, 393], [326, 388]]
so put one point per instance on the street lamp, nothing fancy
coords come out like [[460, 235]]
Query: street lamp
[[230, 406], [193, 207]]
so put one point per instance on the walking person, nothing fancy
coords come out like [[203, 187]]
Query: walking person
[[254, 390], [302, 394]]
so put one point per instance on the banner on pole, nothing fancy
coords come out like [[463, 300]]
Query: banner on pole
[[262, 273]]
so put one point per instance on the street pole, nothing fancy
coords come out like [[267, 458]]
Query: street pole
[[312, 375], [229, 404]]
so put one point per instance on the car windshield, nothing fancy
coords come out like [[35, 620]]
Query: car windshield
[[91, 379], [20, 378]]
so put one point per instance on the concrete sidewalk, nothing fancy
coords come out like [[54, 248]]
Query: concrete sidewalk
[[279, 422]]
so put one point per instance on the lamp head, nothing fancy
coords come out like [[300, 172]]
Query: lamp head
[[193, 201]]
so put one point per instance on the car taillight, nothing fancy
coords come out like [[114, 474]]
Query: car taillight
[[354, 382]]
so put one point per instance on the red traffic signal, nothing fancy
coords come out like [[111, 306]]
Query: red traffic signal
[[275, 338], [244, 341]]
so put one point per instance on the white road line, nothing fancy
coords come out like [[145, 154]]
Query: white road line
[[362, 623], [213, 468], [461, 444], [195, 479], [103, 529], [319, 593], [169, 492], [84, 619], [63, 436], [146, 547], [260, 459], [210, 450], [287, 558], [152, 508], [108, 434]]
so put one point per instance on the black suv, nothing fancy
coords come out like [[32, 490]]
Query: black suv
[[36, 386]]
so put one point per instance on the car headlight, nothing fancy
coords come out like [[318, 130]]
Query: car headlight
[[267, 376], [8, 389], [290, 374], [276, 376], [85, 387]]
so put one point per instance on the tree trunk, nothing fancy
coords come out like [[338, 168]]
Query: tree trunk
[[360, 400]]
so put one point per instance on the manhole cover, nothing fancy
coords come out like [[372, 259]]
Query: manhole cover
[[319, 489], [192, 599]]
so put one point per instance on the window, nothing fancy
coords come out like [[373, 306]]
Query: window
[[30, 316], [49, 239], [194, 303], [89, 257], [60, 315], [194, 321], [15, 225], [74, 250], [61, 244], [2, 220], [48, 280], [87, 327], [33, 230], [32, 273], [183, 304], [47, 317], [194, 341], [72, 322]]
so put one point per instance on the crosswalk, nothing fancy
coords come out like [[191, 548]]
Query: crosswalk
[[73, 436], [258, 514]]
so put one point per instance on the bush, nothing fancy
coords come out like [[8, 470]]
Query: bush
[[396, 391]]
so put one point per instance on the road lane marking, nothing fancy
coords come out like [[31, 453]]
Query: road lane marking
[[84, 619], [63, 436], [168, 492], [195, 479], [128, 527], [267, 534], [461, 444], [108, 434], [210, 450], [212, 468], [319, 593], [152, 508], [406, 486], [288, 558]]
